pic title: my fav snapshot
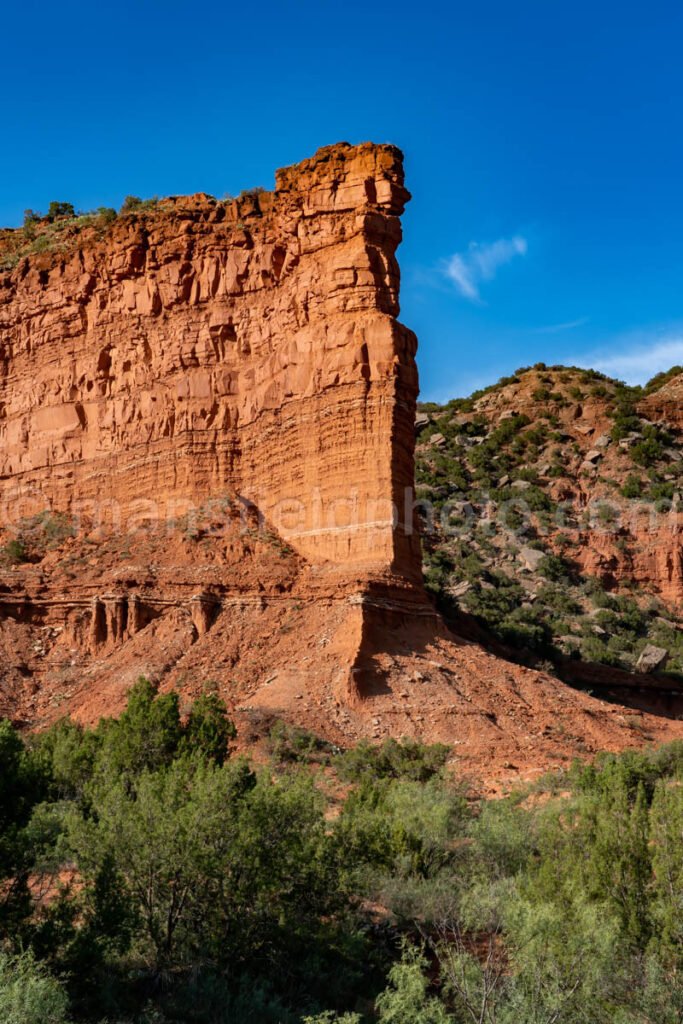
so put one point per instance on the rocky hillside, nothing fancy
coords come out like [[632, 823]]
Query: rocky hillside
[[552, 516], [207, 413]]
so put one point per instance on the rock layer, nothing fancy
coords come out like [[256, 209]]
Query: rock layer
[[220, 400], [205, 348]]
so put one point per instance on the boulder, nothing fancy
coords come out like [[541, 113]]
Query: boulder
[[531, 558], [460, 589], [652, 659]]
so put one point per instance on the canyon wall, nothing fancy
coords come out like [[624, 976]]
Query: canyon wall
[[170, 377], [201, 349]]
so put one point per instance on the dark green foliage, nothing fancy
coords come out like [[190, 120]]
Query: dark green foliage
[[14, 551], [409, 759], [290, 743], [648, 451], [188, 831], [146, 736], [626, 420], [633, 488], [554, 568], [210, 892], [106, 214], [23, 783], [209, 730], [71, 753], [660, 379], [59, 211], [23, 779], [503, 607], [134, 204]]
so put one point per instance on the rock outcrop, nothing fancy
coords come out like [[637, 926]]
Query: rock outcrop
[[203, 348], [666, 403], [574, 515], [206, 473]]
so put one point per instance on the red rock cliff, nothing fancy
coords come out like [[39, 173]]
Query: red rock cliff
[[205, 348], [196, 353]]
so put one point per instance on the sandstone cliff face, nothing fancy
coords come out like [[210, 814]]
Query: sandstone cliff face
[[215, 403], [203, 349]]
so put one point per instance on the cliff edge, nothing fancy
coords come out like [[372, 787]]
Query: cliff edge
[[200, 348], [207, 431]]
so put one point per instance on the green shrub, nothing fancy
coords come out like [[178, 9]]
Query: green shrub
[[14, 551], [647, 452], [291, 743], [106, 214], [60, 211], [28, 995], [633, 488], [208, 730], [134, 204], [554, 567], [407, 759], [660, 379]]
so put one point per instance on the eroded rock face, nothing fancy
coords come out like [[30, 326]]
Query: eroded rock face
[[221, 401], [203, 348], [665, 404]]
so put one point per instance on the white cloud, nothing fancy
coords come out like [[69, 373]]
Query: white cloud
[[636, 362], [467, 270], [569, 325]]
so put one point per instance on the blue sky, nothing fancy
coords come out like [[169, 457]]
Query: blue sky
[[543, 148]]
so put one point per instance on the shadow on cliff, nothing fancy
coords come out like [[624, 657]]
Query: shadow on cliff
[[395, 638]]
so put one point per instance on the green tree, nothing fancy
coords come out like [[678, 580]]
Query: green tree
[[666, 835], [23, 783], [563, 959], [145, 737], [215, 862], [57, 211], [208, 731]]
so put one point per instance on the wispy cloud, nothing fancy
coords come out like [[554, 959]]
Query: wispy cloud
[[569, 325], [636, 361], [480, 262]]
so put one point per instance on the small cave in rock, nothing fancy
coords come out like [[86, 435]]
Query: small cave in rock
[[104, 362]]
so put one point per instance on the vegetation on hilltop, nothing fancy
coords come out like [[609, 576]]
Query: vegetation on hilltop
[[149, 875], [512, 494], [63, 229], [575, 374], [58, 231]]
